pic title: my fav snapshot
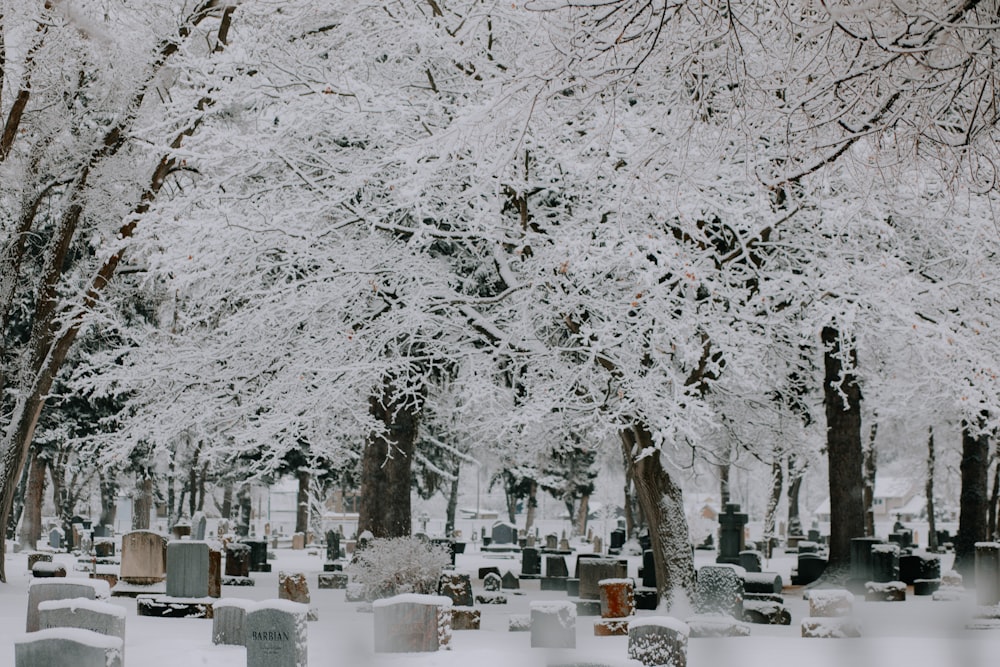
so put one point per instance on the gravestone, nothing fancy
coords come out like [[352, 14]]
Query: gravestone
[[258, 555], [553, 624], [719, 590], [332, 545], [144, 557], [275, 634], [509, 581], [552, 542], [987, 571], [181, 529], [229, 621], [412, 623], [198, 525], [38, 558], [731, 538], [648, 569], [861, 557], [337, 580], [237, 559], [492, 582], [67, 647], [293, 586], [762, 583], [48, 569], [104, 547], [617, 540], [298, 541], [555, 566], [810, 568], [41, 590], [187, 569], [750, 561], [457, 587], [103, 531], [658, 641], [885, 563], [55, 539], [214, 572], [592, 570], [531, 564], [503, 533], [617, 598], [94, 615], [830, 615]]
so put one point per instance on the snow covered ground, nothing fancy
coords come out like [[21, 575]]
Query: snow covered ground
[[915, 633]]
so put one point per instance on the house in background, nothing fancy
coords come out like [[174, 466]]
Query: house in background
[[892, 496]]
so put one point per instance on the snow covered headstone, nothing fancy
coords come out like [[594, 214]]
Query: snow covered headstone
[[457, 586], [229, 621], [94, 615], [885, 563], [67, 647], [40, 590], [187, 569], [412, 623], [617, 598], [275, 634], [492, 582], [553, 624], [237, 560], [830, 602], [888, 591], [658, 641], [719, 590], [590, 571]]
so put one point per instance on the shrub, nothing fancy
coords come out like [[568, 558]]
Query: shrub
[[392, 566]]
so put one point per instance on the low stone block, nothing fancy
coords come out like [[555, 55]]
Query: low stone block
[[553, 624], [553, 583], [464, 618], [766, 612], [588, 607], [491, 598], [573, 587], [238, 581], [830, 603], [355, 592], [611, 627], [830, 627], [892, 591], [67, 647], [519, 623], [716, 625], [48, 570], [163, 606], [658, 641], [925, 586], [293, 586], [483, 571], [335, 580]]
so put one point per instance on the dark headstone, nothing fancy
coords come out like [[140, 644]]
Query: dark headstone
[[885, 563], [553, 583], [332, 545], [647, 599], [503, 533], [555, 566], [258, 555], [492, 582], [648, 569], [861, 557], [483, 571], [457, 587], [531, 564], [719, 590], [617, 538], [237, 559], [731, 530], [762, 582], [509, 581], [573, 587], [592, 570], [810, 568], [987, 572], [751, 561], [55, 539]]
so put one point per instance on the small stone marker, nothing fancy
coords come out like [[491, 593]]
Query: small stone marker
[[766, 612], [829, 615], [198, 525], [38, 558], [293, 586], [187, 569], [237, 559], [456, 586], [510, 581], [719, 590], [55, 539], [519, 623], [144, 557], [504, 533], [553, 624], [658, 641], [276, 634], [465, 618], [890, 591], [43, 569], [412, 623], [987, 569], [298, 541], [67, 647], [336, 580], [492, 582], [40, 590], [94, 615], [555, 566], [229, 621]]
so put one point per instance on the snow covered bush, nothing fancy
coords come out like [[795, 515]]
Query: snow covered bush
[[391, 566]]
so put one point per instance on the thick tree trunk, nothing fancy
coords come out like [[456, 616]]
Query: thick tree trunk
[[630, 521], [582, 511], [302, 501], [932, 541], [529, 515], [842, 397], [452, 508], [871, 469], [142, 501], [973, 499], [770, 514], [663, 506], [245, 507], [386, 465], [34, 496], [109, 497]]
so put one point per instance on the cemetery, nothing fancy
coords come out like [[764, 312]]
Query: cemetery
[[493, 606]]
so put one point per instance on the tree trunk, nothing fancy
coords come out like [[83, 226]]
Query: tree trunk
[[973, 499], [630, 522], [142, 502], [991, 516], [771, 513], [449, 515], [529, 515], [871, 468], [18, 508], [302, 501], [109, 498], [842, 397], [245, 509], [31, 520], [932, 542], [663, 506], [581, 514], [796, 472], [724, 469], [227, 501], [385, 467]]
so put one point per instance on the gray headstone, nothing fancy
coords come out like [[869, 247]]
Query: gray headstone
[[229, 621], [658, 640], [412, 623], [276, 634], [504, 533], [144, 557], [553, 624], [40, 590], [492, 582], [720, 590], [555, 566], [592, 570], [198, 525], [55, 538], [67, 647], [94, 615], [187, 569]]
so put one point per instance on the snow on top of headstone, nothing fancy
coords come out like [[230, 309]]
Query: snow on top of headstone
[[101, 588], [740, 571], [282, 605], [83, 603], [614, 582], [78, 635], [888, 548], [825, 594], [884, 586], [987, 545], [242, 603], [669, 622], [551, 605], [414, 598], [46, 566]]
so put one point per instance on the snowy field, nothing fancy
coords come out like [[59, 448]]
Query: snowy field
[[915, 633]]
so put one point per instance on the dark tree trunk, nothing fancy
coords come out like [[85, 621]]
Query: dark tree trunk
[[245, 506], [724, 493], [630, 522], [227, 501], [302, 501], [973, 499], [142, 502], [34, 496], [109, 498], [529, 515], [770, 514], [663, 506], [991, 517], [871, 469], [842, 397], [386, 465], [192, 481], [932, 542], [795, 474], [582, 512], [18, 507], [449, 515]]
